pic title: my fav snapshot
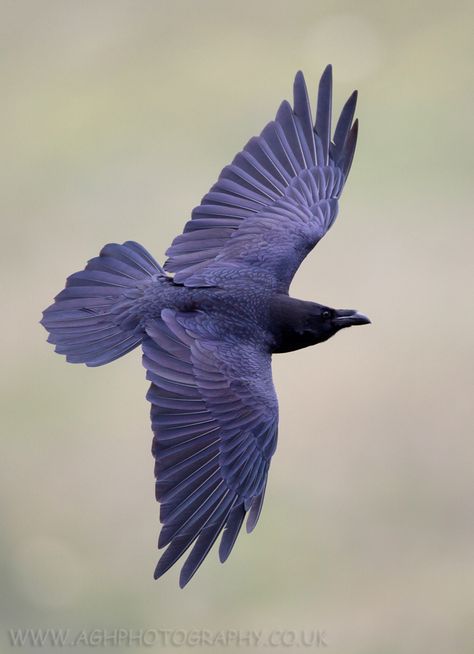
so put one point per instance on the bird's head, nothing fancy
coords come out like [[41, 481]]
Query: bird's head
[[299, 324], [323, 322]]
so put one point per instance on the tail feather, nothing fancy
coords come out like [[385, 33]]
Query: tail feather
[[94, 319]]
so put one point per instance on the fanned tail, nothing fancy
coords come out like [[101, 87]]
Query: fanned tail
[[96, 318]]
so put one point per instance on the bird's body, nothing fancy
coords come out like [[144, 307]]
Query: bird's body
[[241, 303], [208, 333]]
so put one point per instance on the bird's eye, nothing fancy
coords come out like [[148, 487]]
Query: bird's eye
[[326, 314]]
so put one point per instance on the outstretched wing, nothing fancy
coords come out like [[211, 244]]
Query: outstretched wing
[[275, 201], [214, 416]]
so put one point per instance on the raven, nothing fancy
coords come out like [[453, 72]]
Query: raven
[[209, 329]]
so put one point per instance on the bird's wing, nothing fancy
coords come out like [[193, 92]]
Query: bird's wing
[[215, 417], [275, 201]]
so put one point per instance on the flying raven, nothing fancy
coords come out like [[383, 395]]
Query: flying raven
[[208, 330]]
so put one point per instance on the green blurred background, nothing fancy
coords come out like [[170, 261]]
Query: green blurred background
[[116, 118]]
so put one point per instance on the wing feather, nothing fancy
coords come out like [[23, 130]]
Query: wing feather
[[323, 112]]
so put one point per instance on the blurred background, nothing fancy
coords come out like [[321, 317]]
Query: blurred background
[[117, 117]]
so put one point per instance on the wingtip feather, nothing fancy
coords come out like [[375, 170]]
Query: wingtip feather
[[323, 111], [299, 80], [327, 70], [349, 148], [343, 126]]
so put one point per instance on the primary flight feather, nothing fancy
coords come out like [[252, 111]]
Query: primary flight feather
[[209, 329]]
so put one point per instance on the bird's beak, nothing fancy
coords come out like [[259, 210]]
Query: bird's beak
[[349, 317]]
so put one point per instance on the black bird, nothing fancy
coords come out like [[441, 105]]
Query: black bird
[[209, 329]]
